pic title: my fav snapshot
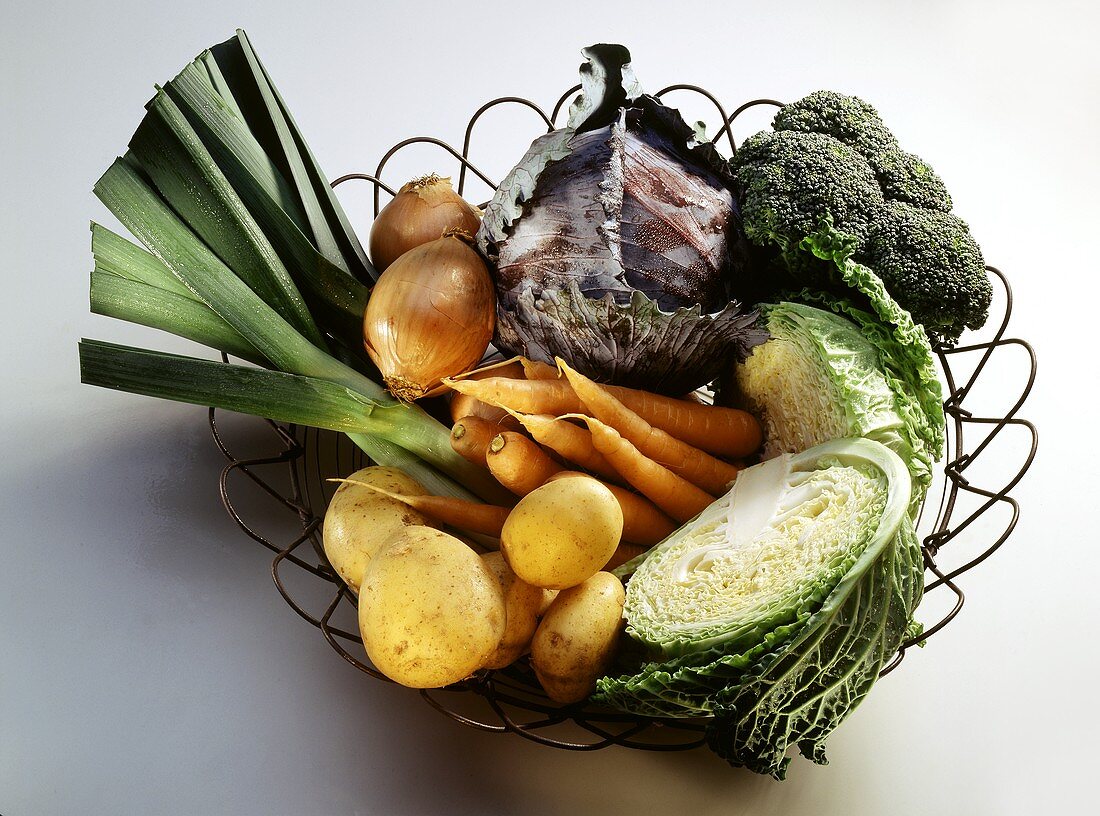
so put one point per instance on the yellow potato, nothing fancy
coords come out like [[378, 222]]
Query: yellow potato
[[562, 532], [522, 603], [359, 521], [431, 612], [576, 640], [548, 596]]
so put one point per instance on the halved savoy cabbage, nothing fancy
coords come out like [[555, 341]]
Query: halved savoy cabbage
[[823, 376], [775, 609]]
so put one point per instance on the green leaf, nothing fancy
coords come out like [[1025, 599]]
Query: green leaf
[[209, 105], [333, 295], [175, 159], [271, 394], [140, 209], [136, 302], [332, 232], [274, 395], [115, 255]]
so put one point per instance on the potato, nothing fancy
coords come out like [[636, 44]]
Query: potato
[[522, 603], [359, 521], [548, 596], [562, 533], [431, 612], [576, 640]]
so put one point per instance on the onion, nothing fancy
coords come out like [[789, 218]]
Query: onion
[[431, 315], [421, 211]]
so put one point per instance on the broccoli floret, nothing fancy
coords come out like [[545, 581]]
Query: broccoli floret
[[905, 177], [831, 175], [847, 119], [934, 265], [790, 179]]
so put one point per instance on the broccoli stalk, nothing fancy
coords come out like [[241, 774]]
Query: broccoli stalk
[[831, 171]]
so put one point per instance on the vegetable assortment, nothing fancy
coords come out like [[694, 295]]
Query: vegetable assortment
[[586, 519]]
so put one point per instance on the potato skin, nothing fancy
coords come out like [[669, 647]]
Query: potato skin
[[576, 640], [522, 603], [431, 612], [359, 521], [562, 533]]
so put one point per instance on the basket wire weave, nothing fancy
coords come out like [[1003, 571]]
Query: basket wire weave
[[510, 700]]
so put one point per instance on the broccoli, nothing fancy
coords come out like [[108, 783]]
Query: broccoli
[[848, 119], [904, 177], [831, 169], [932, 258], [789, 179]]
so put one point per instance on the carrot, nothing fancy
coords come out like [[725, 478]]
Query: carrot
[[674, 494], [518, 463], [538, 370], [512, 367], [474, 517], [622, 554], [463, 405], [720, 431], [571, 442], [470, 438], [643, 523], [699, 468]]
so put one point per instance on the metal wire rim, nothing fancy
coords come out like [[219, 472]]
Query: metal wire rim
[[510, 700]]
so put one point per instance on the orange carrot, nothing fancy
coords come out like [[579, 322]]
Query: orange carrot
[[475, 517], [470, 438], [674, 494], [643, 523], [512, 367], [720, 431], [571, 442], [518, 463], [463, 405], [622, 554], [537, 370], [699, 468]]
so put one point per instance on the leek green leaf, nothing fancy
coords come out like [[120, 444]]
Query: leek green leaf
[[183, 172], [260, 102], [136, 302]]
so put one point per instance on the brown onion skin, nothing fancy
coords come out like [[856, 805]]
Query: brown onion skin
[[431, 315], [422, 211]]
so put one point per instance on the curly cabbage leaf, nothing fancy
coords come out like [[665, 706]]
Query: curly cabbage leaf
[[826, 376], [776, 607], [902, 344]]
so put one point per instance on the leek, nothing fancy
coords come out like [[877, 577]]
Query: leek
[[235, 216], [170, 152], [332, 293], [382, 431]]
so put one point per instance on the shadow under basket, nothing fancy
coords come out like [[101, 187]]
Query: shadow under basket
[[290, 471]]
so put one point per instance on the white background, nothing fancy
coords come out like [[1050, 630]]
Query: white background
[[147, 664]]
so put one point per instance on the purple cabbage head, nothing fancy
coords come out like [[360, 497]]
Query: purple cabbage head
[[615, 240]]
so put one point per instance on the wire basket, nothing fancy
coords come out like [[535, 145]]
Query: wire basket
[[973, 518]]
